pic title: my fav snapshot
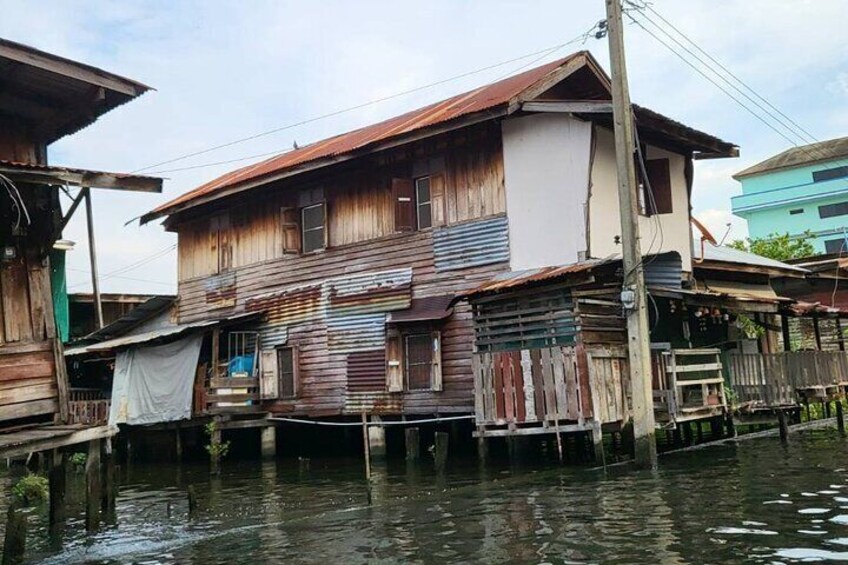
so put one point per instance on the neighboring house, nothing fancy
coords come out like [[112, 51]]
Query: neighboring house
[[82, 315], [802, 189], [354, 247], [45, 98]]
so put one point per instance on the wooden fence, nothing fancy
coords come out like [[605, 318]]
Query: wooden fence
[[535, 389], [772, 380]]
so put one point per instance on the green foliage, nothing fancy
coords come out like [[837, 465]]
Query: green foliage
[[32, 489], [78, 461], [780, 247], [751, 328], [216, 449]]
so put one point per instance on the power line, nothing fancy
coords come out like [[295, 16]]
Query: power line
[[163, 283], [542, 53]]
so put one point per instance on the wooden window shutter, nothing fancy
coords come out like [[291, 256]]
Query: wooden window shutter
[[290, 218], [269, 382], [436, 370], [404, 198], [437, 199], [394, 362], [659, 178]]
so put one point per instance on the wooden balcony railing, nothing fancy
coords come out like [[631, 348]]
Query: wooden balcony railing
[[88, 406], [688, 385], [774, 380], [233, 394]]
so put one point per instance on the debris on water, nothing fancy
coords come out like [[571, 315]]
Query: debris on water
[[741, 531], [777, 502], [813, 511]]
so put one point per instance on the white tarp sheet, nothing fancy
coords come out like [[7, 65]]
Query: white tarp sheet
[[154, 383]]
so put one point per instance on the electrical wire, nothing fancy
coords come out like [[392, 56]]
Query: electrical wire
[[17, 201], [542, 52], [163, 283]]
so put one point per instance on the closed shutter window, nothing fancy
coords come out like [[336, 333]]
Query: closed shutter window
[[419, 361], [659, 179], [287, 365], [423, 203]]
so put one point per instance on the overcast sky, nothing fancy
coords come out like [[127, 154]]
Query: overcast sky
[[227, 70]]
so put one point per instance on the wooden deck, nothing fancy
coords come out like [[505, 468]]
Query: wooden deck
[[22, 442]]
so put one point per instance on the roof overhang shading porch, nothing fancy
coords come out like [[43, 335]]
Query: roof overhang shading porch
[[430, 309], [29, 173]]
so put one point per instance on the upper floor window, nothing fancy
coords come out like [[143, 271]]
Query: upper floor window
[[835, 245], [423, 203], [833, 210], [656, 189], [314, 227], [830, 174]]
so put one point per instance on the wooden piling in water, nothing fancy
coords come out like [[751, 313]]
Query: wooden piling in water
[[482, 450], [412, 440], [57, 484], [441, 450], [367, 444], [110, 487], [783, 423], [840, 417], [14, 544], [192, 501], [730, 426], [598, 443], [93, 486]]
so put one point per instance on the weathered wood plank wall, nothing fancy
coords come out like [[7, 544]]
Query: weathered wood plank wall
[[332, 303]]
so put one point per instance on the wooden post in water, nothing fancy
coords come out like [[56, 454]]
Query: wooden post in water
[[14, 544], [110, 487], [367, 445], [413, 444], [192, 501], [558, 438], [93, 486], [729, 425], [783, 423], [57, 480], [482, 449], [840, 417], [441, 450], [178, 443], [268, 440], [598, 443], [826, 404]]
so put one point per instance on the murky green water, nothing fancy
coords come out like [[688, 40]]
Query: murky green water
[[752, 502]]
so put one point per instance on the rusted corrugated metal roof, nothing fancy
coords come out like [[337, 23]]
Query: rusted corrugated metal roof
[[477, 100], [514, 279], [426, 309]]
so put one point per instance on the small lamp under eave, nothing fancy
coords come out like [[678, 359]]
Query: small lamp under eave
[[64, 244]]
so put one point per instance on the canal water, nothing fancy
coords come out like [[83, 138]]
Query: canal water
[[752, 502]]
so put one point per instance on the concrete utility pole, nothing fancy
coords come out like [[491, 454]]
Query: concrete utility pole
[[634, 296], [92, 251]]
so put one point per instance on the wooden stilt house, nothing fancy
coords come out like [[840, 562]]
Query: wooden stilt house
[[45, 97]]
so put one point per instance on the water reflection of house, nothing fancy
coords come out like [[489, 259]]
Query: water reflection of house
[[45, 98], [353, 247]]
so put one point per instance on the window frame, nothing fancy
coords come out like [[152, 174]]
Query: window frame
[[304, 229], [832, 173], [295, 373], [419, 204], [407, 374], [825, 210]]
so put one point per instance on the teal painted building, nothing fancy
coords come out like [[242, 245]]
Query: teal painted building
[[803, 188]]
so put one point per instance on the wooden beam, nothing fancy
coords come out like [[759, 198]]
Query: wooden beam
[[57, 441], [71, 69], [81, 178], [569, 106], [74, 205]]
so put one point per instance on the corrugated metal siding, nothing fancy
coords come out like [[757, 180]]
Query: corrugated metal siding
[[366, 371], [221, 288], [484, 242], [664, 270], [289, 306], [369, 292], [373, 403], [356, 333]]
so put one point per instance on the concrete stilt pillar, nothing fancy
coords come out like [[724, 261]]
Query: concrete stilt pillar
[[14, 543], [598, 443], [441, 450], [482, 449], [93, 486], [413, 443], [377, 439], [268, 440]]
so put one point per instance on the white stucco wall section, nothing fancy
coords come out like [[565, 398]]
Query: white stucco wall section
[[546, 173], [604, 220]]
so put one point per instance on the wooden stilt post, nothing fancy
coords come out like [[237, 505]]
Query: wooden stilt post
[[268, 441], [14, 544], [783, 423], [92, 251], [192, 501], [729, 425], [482, 449], [558, 438], [413, 444], [441, 450], [57, 479], [700, 431], [92, 486], [110, 487], [840, 417], [178, 443], [826, 404], [367, 444]]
